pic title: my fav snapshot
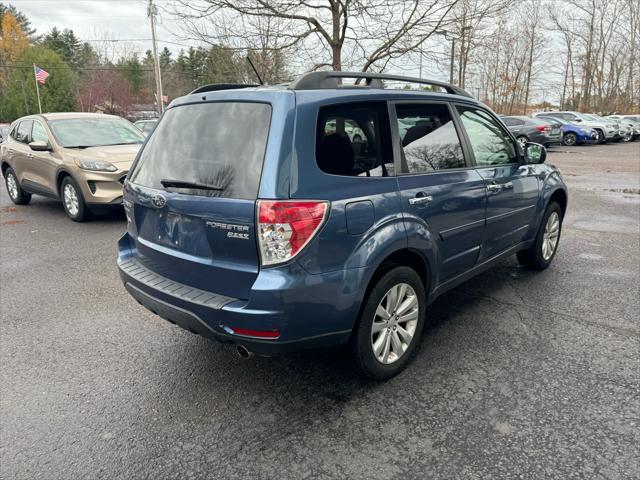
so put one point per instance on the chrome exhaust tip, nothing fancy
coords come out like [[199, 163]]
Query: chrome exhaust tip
[[243, 352]]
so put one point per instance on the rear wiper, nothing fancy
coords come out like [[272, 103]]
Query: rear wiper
[[182, 184]]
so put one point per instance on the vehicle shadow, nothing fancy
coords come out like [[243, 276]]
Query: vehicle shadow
[[54, 209], [319, 383]]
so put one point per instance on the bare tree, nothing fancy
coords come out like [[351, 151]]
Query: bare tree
[[532, 34], [472, 21], [367, 33]]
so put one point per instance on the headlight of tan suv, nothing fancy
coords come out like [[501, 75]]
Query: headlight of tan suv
[[96, 165]]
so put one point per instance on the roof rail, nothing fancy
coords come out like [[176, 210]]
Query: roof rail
[[221, 86], [329, 79]]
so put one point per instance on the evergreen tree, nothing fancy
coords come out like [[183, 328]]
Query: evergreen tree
[[73, 51], [57, 94]]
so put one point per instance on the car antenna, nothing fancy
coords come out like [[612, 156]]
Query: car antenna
[[255, 71]]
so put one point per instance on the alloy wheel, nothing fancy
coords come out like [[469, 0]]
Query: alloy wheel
[[522, 140], [12, 186], [394, 323], [570, 139], [551, 236], [71, 200]]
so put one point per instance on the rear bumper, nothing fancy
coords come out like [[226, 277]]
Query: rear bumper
[[308, 311], [554, 139]]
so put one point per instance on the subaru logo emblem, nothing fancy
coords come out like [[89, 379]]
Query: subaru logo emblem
[[158, 201]]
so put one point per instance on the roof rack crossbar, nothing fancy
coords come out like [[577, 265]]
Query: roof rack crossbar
[[221, 86], [329, 79]]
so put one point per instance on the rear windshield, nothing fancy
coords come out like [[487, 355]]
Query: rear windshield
[[218, 145]]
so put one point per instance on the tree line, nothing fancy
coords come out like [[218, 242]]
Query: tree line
[[86, 78], [516, 55]]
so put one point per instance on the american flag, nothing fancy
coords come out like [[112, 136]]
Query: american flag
[[41, 75]]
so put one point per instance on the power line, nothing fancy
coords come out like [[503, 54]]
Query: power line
[[97, 69]]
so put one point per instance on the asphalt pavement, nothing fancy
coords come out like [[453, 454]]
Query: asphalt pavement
[[520, 374]]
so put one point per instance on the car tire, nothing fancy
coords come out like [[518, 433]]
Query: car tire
[[570, 139], [73, 201], [375, 353], [15, 191], [538, 256], [522, 139], [600, 138]]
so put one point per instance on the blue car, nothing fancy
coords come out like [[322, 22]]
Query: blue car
[[573, 134], [318, 214]]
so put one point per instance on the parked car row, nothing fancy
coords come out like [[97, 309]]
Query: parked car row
[[575, 128]]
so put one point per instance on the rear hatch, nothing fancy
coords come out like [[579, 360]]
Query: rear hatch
[[191, 197]]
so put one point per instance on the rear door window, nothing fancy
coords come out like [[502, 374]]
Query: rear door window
[[220, 145], [353, 140]]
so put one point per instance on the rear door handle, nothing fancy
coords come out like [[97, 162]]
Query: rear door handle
[[420, 200]]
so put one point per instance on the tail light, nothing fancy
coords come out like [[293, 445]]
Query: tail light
[[543, 128], [286, 226]]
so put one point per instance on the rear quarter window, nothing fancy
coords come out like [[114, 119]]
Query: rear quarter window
[[220, 144], [353, 139]]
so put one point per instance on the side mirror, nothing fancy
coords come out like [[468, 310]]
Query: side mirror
[[577, 120], [40, 146], [534, 153]]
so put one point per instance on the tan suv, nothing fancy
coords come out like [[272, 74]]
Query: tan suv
[[79, 158]]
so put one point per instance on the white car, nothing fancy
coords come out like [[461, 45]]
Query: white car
[[631, 126]]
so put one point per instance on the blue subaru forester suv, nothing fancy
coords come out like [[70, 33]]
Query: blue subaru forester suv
[[317, 213]]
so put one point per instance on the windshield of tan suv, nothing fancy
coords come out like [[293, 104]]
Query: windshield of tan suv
[[208, 149], [94, 132]]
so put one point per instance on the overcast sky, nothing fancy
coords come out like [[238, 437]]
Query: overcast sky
[[100, 19], [126, 21]]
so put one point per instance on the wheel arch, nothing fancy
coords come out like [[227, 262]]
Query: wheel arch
[[560, 197], [4, 167], [60, 176], [407, 257]]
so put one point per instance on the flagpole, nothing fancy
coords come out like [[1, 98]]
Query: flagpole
[[37, 88]]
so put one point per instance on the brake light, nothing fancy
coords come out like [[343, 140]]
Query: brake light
[[286, 226], [543, 128], [255, 333]]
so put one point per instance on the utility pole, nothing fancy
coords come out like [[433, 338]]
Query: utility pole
[[152, 12], [24, 98], [453, 53]]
